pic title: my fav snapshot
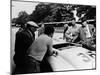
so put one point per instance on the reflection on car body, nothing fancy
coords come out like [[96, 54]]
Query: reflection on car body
[[73, 58]]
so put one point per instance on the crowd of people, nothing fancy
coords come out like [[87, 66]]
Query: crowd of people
[[83, 34], [31, 53]]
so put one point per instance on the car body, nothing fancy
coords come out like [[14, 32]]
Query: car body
[[71, 57]]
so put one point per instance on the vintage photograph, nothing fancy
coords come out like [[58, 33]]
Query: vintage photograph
[[52, 37]]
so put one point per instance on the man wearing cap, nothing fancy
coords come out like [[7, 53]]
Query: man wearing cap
[[86, 35], [24, 39]]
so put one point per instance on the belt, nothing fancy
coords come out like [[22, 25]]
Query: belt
[[33, 59]]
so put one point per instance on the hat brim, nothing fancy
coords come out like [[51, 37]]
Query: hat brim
[[33, 24]]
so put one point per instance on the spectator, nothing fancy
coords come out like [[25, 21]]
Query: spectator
[[86, 35], [24, 38], [72, 32]]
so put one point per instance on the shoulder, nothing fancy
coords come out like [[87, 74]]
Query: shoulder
[[23, 33], [43, 37], [47, 38], [90, 25], [50, 41], [78, 25], [66, 25], [81, 28]]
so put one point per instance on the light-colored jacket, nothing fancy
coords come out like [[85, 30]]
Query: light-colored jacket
[[40, 46], [83, 32]]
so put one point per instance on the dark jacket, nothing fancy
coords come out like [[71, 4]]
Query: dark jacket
[[24, 39]]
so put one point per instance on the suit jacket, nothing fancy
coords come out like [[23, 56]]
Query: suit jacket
[[24, 39], [83, 34]]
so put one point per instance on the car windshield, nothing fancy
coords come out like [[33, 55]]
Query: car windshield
[[63, 46]]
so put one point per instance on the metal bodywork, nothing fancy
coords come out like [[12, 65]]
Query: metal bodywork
[[71, 57]]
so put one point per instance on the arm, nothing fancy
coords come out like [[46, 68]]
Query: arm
[[22, 43], [68, 36], [50, 49]]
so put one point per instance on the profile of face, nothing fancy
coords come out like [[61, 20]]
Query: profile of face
[[42, 25], [84, 23], [73, 22]]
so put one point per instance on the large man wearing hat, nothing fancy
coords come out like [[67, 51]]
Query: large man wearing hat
[[24, 39]]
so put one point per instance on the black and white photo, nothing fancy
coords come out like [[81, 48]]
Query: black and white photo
[[52, 37]]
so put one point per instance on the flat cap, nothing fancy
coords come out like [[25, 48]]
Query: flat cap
[[31, 23]]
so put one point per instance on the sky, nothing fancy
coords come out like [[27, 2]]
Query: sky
[[18, 6]]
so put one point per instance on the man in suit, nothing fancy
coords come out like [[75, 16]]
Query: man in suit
[[24, 38], [86, 35], [86, 31]]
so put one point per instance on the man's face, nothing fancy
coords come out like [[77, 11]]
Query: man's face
[[73, 22], [84, 23]]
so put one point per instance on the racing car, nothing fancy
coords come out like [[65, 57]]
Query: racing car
[[71, 56]]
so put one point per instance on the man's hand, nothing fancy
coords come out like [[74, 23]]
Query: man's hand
[[55, 53]]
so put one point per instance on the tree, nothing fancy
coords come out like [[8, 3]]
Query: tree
[[13, 21], [41, 11], [23, 17], [51, 12], [89, 12]]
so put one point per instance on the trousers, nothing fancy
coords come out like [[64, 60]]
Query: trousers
[[29, 65]]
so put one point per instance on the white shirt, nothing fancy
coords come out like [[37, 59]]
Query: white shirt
[[87, 32], [40, 46]]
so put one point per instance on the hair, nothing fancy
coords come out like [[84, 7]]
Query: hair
[[69, 24], [73, 19], [48, 30]]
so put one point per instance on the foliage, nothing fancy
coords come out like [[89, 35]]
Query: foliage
[[22, 18], [88, 11], [14, 20], [51, 12], [41, 11]]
